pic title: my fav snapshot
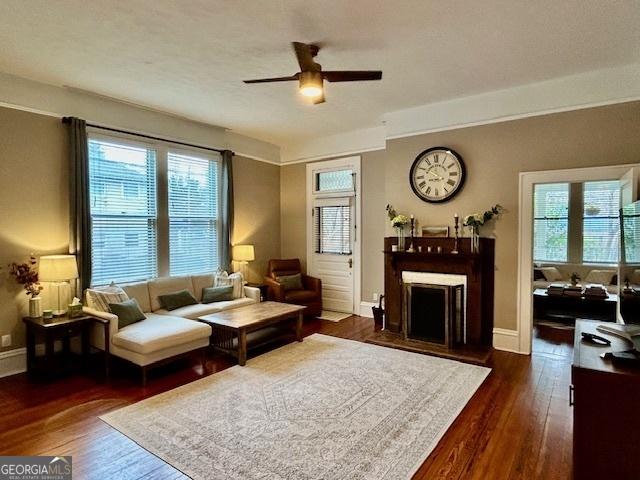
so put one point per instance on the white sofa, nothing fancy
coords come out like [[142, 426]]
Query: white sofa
[[163, 334], [584, 271]]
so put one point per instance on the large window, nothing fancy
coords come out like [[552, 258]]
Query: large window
[[122, 189], [601, 224], [134, 234], [551, 222], [193, 214]]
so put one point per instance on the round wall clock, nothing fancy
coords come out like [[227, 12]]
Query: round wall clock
[[437, 174]]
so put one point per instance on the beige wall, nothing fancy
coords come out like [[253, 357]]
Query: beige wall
[[34, 205], [256, 188], [494, 155], [34, 213], [292, 209]]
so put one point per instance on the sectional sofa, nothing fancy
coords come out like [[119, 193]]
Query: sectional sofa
[[164, 334]]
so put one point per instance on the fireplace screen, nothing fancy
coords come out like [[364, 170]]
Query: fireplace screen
[[434, 313]]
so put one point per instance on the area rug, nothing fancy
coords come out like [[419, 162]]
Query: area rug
[[333, 316], [326, 408]]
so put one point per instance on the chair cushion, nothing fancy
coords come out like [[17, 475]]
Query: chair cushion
[[174, 300], [301, 296], [164, 285], [128, 312], [290, 282], [193, 312], [139, 291], [201, 281], [158, 332]]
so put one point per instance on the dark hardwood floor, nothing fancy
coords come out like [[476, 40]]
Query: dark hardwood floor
[[517, 425]]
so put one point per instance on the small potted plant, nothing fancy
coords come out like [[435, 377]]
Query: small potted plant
[[476, 220], [575, 278], [26, 275], [398, 222]]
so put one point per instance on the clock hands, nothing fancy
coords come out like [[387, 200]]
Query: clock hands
[[431, 172]]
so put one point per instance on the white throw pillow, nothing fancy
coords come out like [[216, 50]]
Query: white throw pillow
[[602, 277], [552, 274], [223, 279], [99, 298]]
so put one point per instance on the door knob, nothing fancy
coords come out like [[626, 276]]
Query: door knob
[[350, 263]]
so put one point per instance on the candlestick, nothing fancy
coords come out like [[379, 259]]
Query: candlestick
[[413, 223], [455, 246]]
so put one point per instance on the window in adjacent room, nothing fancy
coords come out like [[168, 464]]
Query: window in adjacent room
[[122, 189], [193, 214], [551, 222], [600, 222]]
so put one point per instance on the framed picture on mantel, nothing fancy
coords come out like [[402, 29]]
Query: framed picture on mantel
[[439, 232]]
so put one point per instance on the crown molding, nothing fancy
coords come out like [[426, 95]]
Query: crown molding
[[28, 95], [574, 92]]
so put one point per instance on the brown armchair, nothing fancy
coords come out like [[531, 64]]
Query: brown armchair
[[311, 296]]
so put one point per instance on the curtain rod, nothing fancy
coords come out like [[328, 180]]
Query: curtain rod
[[150, 137]]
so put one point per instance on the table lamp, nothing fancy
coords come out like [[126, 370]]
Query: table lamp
[[58, 269], [243, 254]]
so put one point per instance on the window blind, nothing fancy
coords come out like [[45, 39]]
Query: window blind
[[332, 229], [601, 224], [551, 222], [122, 193], [193, 214]]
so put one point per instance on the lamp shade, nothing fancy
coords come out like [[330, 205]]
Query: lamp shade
[[57, 268], [243, 253]]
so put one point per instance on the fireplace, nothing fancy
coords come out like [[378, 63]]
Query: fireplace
[[470, 331], [434, 313]]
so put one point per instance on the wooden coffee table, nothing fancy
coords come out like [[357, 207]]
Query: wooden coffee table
[[238, 322]]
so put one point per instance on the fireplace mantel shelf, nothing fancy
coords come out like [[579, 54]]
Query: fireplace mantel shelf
[[433, 255]]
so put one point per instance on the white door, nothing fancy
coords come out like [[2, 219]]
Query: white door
[[332, 240]]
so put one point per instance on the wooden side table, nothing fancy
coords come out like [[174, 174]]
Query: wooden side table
[[50, 330]]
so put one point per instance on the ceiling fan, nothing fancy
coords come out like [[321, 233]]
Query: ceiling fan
[[311, 76]]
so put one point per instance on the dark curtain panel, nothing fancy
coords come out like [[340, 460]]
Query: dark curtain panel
[[227, 209], [79, 214]]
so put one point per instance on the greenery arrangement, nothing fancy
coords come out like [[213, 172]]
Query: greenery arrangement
[[397, 220], [476, 220], [26, 275]]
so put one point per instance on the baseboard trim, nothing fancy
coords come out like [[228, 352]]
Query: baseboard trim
[[365, 309], [506, 340], [13, 361]]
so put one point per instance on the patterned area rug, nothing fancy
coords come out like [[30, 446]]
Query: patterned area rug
[[326, 408]]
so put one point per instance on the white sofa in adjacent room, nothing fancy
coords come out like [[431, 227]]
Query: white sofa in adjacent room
[[163, 334]]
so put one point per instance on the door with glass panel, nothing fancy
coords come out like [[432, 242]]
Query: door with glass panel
[[332, 189]]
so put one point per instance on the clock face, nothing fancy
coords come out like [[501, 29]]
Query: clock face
[[437, 174]]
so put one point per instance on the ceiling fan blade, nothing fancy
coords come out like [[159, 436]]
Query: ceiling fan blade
[[276, 79], [318, 99], [305, 56], [352, 75]]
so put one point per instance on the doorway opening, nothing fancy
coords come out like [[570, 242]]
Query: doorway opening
[[333, 240]]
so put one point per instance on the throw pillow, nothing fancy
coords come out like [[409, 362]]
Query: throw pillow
[[602, 277], [552, 274], [99, 298], [128, 312], [223, 279], [291, 282], [172, 301], [217, 294]]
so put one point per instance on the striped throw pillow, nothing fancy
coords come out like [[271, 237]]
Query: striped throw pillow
[[99, 298]]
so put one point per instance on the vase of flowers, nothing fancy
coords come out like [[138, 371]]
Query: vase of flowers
[[26, 275], [476, 220], [398, 222]]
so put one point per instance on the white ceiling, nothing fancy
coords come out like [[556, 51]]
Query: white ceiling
[[189, 57]]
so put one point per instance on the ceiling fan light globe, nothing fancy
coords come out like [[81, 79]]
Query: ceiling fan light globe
[[311, 84], [311, 91]]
